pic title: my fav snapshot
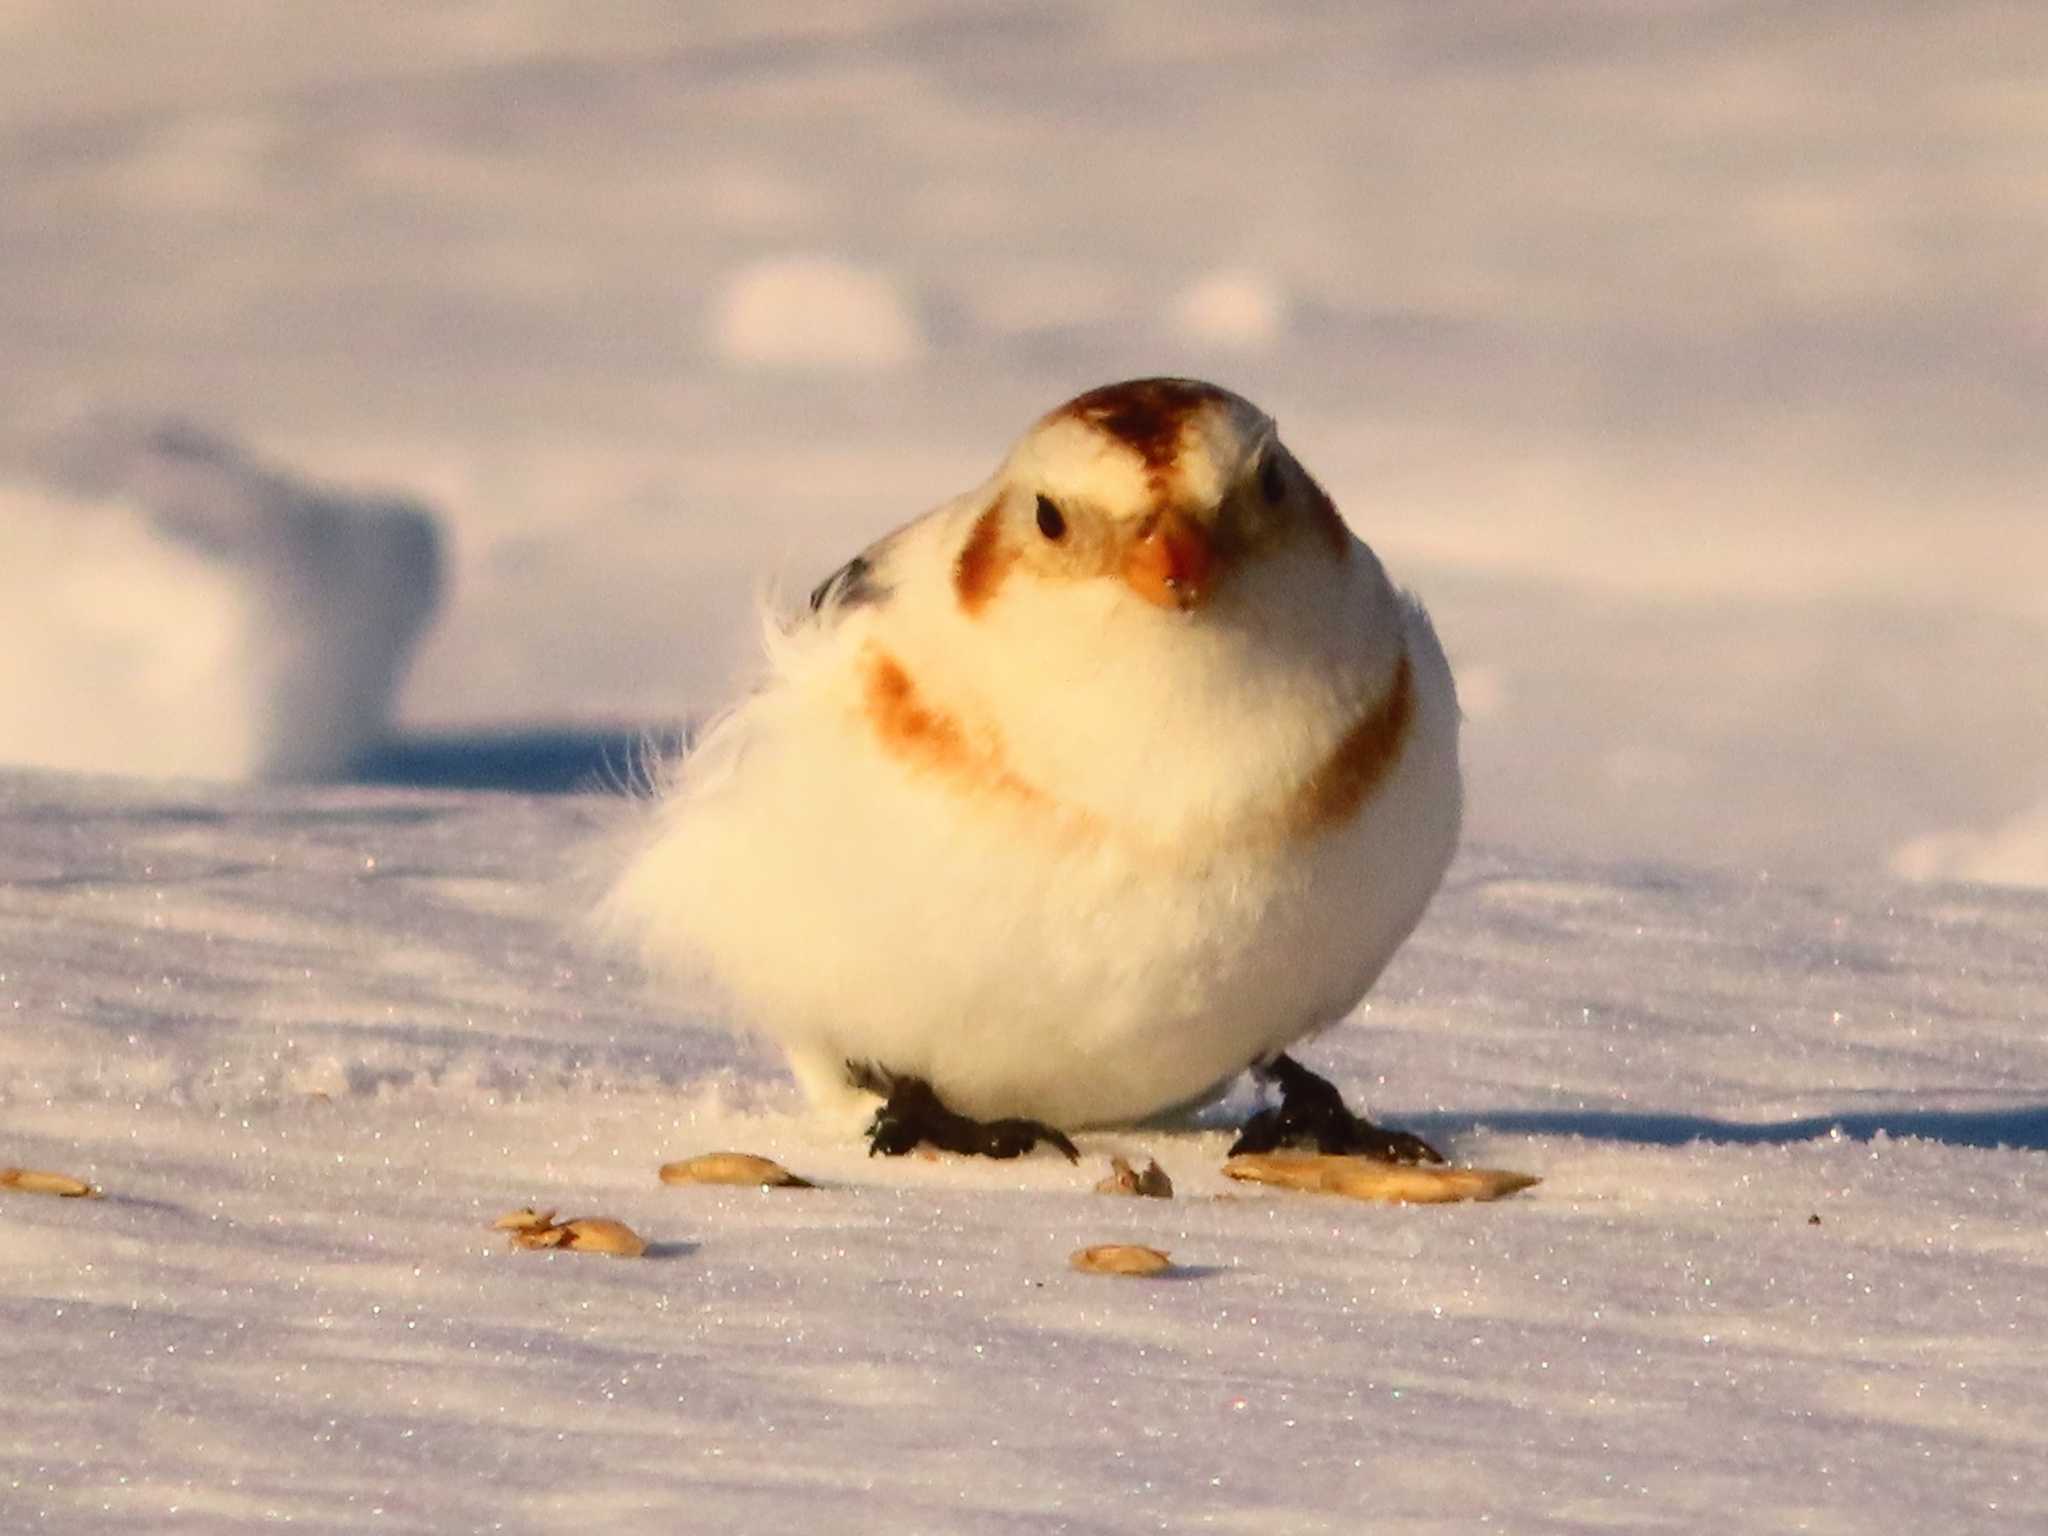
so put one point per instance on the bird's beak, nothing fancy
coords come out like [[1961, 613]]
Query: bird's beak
[[1172, 562]]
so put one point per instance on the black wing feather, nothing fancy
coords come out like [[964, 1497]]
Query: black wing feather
[[853, 585]]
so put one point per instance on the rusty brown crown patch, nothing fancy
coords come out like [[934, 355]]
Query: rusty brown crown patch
[[1147, 415]]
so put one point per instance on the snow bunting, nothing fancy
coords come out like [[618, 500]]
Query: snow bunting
[[1074, 798]]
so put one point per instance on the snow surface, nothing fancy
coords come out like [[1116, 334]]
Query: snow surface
[[311, 1042]]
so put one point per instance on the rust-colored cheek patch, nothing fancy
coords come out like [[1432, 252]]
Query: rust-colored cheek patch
[[1334, 793], [913, 732], [983, 562]]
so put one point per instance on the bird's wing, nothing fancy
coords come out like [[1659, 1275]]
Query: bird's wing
[[865, 580], [902, 562], [853, 585]]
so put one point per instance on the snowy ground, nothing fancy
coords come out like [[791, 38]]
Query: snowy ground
[[1784, 1272]]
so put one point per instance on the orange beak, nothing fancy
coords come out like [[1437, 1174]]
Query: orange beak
[[1172, 563]]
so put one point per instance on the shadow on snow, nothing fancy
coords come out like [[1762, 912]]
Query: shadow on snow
[[2024, 1128], [535, 761]]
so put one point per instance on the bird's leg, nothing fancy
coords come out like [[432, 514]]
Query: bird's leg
[[912, 1113], [1311, 1113]]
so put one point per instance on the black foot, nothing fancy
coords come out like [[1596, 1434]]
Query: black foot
[[1311, 1113], [913, 1114]]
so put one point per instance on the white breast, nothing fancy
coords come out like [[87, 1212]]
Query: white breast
[[1095, 959]]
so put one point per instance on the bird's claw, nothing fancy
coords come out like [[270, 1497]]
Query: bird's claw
[[913, 1115], [1312, 1113]]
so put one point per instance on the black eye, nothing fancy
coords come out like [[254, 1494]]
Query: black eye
[[1272, 483], [1050, 523]]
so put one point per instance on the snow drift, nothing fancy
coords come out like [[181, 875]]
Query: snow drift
[[172, 606]]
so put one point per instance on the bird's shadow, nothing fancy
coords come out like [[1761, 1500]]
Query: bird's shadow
[[2024, 1128], [535, 760]]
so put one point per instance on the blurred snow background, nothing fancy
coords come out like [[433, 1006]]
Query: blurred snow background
[[1690, 357]]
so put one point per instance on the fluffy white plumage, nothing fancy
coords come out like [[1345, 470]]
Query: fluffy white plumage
[[1077, 795]]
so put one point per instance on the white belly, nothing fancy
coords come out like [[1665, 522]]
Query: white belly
[[1022, 967]]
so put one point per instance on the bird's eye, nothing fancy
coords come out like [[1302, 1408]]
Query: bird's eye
[[1272, 483], [1050, 522]]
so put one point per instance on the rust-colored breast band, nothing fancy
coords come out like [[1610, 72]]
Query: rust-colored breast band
[[931, 740], [1334, 793], [914, 732]]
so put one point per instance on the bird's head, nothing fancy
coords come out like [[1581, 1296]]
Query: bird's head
[[1168, 486], [1150, 615]]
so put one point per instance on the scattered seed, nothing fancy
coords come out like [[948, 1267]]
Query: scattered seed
[[1123, 1179], [1121, 1259], [581, 1234], [33, 1181], [540, 1237], [1364, 1178], [732, 1168], [525, 1221], [600, 1234]]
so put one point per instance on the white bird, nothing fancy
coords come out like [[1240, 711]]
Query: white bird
[[1074, 798]]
